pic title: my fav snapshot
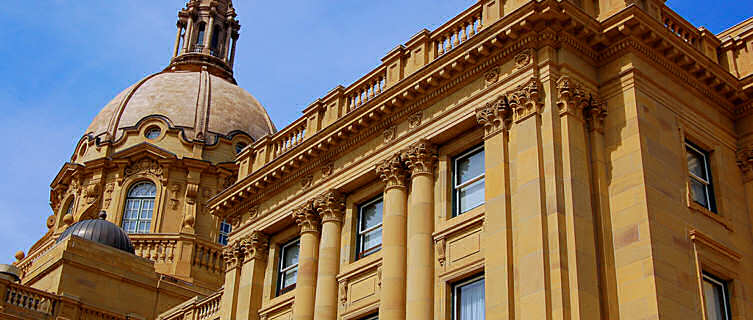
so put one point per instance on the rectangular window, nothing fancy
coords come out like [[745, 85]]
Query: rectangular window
[[369, 228], [371, 317], [701, 189], [468, 300], [225, 229], [716, 297], [288, 272], [468, 180]]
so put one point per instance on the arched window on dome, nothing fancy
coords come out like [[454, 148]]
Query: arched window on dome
[[200, 37], [137, 215]]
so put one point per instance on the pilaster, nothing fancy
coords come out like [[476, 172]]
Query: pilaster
[[255, 248], [305, 292]]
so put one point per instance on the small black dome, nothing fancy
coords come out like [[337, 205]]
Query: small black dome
[[101, 231]]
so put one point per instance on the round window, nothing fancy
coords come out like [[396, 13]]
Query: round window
[[153, 133], [240, 146]]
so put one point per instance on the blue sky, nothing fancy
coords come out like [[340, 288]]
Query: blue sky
[[62, 61]]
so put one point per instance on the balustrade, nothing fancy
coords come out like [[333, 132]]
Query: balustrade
[[364, 91], [208, 256], [680, 27], [30, 299], [157, 249], [457, 31], [208, 309], [289, 137]]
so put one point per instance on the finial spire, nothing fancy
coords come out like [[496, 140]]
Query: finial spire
[[206, 37]]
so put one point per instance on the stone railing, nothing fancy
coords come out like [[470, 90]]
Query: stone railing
[[197, 308], [208, 256], [458, 30], [24, 266], [289, 137], [157, 248], [20, 302], [365, 89], [680, 27], [163, 249]]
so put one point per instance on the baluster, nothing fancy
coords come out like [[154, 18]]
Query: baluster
[[440, 49], [473, 27], [381, 84], [464, 31], [371, 90]]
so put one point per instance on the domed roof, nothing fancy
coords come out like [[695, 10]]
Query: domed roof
[[199, 103], [100, 231]]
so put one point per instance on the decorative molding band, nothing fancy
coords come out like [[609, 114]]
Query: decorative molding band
[[700, 238]]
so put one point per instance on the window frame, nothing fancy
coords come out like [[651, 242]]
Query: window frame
[[726, 302], [141, 200], [69, 207], [371, 317], [457, 188], [282, 270], [454, 292], [708, 183], [365, 252], [222, 234]]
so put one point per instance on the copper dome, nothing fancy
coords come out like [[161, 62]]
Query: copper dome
[[100, 231]]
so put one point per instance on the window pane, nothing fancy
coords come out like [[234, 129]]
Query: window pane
[[715, 303], [146, 209], [470, 301], [696, 164], [469, 167], [698, 192], [471, 196], [290, 256], [371, 239], [289, 278], [371, 215]]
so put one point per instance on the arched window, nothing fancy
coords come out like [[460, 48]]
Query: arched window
[[216, 37], [69, 206], [137, 216], [200, 36]]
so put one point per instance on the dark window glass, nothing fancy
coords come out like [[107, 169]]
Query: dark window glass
[[468, 180], [369, 228], [716, 297], [468, 300], [701, 189], [225, 229], [287, 274]]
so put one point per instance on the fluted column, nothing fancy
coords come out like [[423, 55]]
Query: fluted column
[[420, 159], [228, 38], [209, 33], [305, 288], [330, 206], [250, 288], [393, 172], [232, 52]]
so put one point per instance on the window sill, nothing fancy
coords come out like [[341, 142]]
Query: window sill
[[725, 222], [461, 221], [278, 303], [360, 265]]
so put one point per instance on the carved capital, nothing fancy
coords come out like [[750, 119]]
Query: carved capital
[[256, 246], [525, 100], [572, 98], [595, 114], [331, 206], [307, 218], [494, 116], [233, 254], [421, 157], [393, 172]]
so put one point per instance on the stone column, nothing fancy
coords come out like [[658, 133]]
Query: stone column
[[177, 40], [305, 289], [250, 288], [187, 36], [495, 117], [228, 38], [393, 172], [232, 53], [330, 206], [233, 256], [420, 159], [209, 31]]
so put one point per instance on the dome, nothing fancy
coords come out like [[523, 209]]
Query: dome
[[199, 103], [100, 231]]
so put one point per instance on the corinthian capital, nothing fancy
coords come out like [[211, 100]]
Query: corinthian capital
[[572, 98], [256, 245], [525, 100], [307, 218], [233, 254], [745, 162], [494, 116], [421, 157], [330, 205], [393, 172]]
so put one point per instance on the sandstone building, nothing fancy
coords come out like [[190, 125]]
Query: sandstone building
[[525, 160]]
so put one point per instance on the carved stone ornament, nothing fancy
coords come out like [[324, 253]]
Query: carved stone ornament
[[421, 157], [595, 114], [174, 195], [253, 213], [307, 218], [525, 100], [393, 172], [229, 181], [91, 193], [330, 205], [523, 58], [494, 116], [144, 166], [256, 245], [415, 120], [572, 98], [440, 247], [390, 134], [327, 169], [492, 76], [379, 277], [342, 292], [745, 162], [50, 221], [307, 181]]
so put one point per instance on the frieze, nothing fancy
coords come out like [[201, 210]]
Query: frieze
[[144, 166]]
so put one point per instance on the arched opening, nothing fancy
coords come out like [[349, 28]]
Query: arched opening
[[139, 206], [69, 206], [217, 36], [200, 36]]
